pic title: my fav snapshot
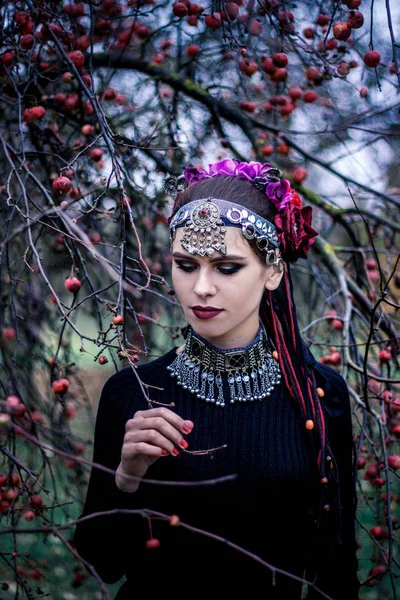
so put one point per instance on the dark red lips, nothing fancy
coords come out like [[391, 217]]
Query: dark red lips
[[206, 313]]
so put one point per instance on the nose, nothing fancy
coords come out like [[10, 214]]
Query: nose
[[204, 285]]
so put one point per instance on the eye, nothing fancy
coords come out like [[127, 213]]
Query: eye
[[225, 271]]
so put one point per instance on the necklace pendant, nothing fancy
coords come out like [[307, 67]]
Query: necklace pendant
[[250, 373]]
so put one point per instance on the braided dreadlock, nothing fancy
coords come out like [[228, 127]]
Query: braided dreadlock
[[278, 314]]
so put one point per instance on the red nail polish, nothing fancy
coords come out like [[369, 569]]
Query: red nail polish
[[175, 451], [186, 428], [164, 452], [184, 444]]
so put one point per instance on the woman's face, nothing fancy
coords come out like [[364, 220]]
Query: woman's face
[[234, 285]]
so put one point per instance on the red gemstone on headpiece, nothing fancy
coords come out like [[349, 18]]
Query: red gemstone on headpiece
[[203, 212]]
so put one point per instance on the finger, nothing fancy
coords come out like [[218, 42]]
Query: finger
[[131, 451], [167, 414], [157, 431]]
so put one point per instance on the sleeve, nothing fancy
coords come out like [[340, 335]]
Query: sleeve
[[103, 541], [336, 568]]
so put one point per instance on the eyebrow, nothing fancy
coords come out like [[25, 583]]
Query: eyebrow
[[212, 260]]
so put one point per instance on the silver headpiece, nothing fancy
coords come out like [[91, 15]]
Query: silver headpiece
[[205, 222]]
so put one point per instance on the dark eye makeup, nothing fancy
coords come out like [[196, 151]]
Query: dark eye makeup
[[190, 268]]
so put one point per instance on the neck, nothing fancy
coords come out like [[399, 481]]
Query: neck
[[237, 343]]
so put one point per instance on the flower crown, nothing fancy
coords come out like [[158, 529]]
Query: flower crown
[[292, 220]]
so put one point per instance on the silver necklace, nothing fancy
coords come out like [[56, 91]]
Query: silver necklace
[[251, 372]]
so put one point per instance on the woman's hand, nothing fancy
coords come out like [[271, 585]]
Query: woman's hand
[[148, 435]]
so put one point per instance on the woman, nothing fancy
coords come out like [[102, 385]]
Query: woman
[[242, 402]]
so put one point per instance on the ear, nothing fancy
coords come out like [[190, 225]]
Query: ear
[[274, 276]]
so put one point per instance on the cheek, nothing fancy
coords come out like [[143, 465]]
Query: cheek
[[178, 280]]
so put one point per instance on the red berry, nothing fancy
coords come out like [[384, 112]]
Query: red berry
[[192, 49], [9, 334], [38, 112], [364, 92], [394, 462], [387, 397], [72, 284], [295, 93], [152, 543], [36, 501], [378, 532], [335, 359], [60, 386], [361, 462], [352, 4], [77, 58], [395, 406], [180, 9], [118, 320], [14, 406], [109, 94], [323, 20], [232, 10], [7, 58], [267, 150], [279, 75], [356, 19], [372, 58], [28, 515], [299, 174], [310, 96], [312, 73], [248, 67], [96, 154], [27, 41], [213, 21], [103, 359], [341, 30], [371, 264], [280, 59], [343, 69], [174, 520], [268, 66], [377, 573], [62, 185], [283, 149], [79, 447], [69, 412], [337, 324], [385, 356], [255, 28], [87, 130], [192, 20], [309, 33], [248, 106]]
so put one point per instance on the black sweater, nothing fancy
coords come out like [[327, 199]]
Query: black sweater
[[265, 509]]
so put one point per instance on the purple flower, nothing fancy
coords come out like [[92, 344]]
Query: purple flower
[[224, 167], [249, 170], [279, 193], [194, 175]]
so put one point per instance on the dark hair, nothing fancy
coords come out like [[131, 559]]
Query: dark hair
[[278, 314]]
